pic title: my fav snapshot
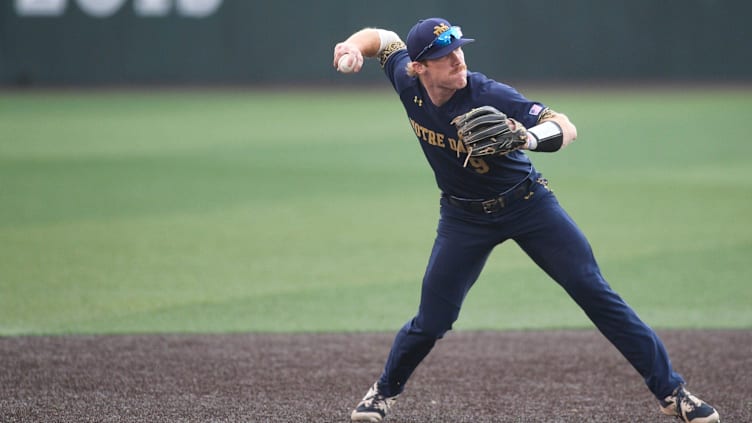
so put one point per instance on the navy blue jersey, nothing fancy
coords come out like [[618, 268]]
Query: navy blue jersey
[[482, 177]]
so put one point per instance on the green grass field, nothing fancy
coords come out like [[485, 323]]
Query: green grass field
[[217, 211]]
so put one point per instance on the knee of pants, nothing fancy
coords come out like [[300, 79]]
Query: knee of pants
[[588, 285], [432, 327]]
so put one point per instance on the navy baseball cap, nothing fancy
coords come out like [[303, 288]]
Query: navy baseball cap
[[434, 38]]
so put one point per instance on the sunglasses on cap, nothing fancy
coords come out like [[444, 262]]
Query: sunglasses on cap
[[441, 40]]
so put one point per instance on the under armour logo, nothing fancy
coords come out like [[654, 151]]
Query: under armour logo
[[418, 101]]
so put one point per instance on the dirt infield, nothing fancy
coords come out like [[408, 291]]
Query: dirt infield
[[546, 376]]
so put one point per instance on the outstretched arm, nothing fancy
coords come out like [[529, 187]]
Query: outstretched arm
[[367, 42]]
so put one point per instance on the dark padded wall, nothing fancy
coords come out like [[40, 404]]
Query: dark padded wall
[[253, 42]]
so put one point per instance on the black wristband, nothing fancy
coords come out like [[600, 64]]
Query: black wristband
[[548, 136]]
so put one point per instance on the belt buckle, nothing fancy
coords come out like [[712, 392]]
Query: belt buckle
[[493, 205]]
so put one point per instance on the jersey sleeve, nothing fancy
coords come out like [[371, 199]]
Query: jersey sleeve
[[394, 60], [511, 102]]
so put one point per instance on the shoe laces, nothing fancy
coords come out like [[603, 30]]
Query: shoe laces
[[686, 401], [683, 403], [379, 401]]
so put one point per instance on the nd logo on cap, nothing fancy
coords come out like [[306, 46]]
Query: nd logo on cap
[[434, 38]]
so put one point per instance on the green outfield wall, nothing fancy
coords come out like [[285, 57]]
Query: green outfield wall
[[122, 42]]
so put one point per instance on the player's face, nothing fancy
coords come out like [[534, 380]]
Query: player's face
[[448, 72]]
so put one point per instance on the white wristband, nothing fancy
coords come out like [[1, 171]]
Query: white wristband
[[386, 38], [532, 141]]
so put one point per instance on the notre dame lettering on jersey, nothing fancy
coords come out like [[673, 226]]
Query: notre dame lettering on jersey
[[441, 140]]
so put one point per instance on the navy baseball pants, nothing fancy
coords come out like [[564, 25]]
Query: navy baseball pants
[[541, 227]]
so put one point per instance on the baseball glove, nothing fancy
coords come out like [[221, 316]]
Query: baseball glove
[[486, 131]]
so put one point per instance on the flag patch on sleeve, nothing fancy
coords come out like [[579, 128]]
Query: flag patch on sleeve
[[535, 109]]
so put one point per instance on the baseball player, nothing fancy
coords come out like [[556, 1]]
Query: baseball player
[[473, 131]]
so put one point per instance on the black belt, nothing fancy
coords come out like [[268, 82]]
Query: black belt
[[493, 205]]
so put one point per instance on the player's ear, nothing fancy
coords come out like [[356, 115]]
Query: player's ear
[[416, 68]]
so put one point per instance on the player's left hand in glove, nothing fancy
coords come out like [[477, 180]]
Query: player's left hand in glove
[[486, 131]]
